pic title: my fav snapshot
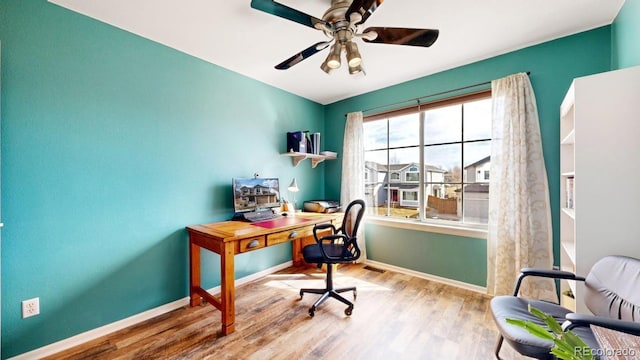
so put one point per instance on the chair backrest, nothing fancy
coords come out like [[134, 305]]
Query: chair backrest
[[350, 224], [352, 216], [612, 288]]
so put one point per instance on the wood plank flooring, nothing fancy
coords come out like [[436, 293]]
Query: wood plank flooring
[[396, 316]]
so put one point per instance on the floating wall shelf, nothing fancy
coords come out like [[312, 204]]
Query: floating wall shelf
[[316, 159]]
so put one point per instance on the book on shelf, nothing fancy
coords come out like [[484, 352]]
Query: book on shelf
[[315, 142], [570, 193]]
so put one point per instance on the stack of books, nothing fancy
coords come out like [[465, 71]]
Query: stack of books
[[303, 142]]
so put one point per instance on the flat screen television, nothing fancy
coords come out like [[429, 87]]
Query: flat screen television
[[254, 194]]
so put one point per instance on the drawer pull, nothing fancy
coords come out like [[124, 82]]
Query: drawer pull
[[293, 234], [253, 243]]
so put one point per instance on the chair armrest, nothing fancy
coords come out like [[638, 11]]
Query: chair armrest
[[556, 274], [323, 227], [547, 273], [331, 238], [579, 320]]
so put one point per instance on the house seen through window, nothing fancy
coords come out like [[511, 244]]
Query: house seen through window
[[439, 174]]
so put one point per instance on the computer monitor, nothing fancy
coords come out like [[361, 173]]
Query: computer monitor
[[252, 194]]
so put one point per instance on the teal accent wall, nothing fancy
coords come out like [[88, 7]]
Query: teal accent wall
[[625, 34], [429, 253], [111, 145], [553, 65]]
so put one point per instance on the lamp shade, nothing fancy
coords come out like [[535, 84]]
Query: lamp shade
[[293, 187]]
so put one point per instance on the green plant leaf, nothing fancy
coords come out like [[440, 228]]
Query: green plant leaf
[[576, 343], [532, 328], [548, 319], [566, 344]]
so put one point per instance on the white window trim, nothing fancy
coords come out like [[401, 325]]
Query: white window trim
[[468, 230]]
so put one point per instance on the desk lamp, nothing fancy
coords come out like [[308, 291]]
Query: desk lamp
[[293, 188]]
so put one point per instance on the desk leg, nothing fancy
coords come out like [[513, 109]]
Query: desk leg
[[296, 248], [228, 294], [194, 273]]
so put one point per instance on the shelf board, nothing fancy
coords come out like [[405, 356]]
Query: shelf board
[[569, 174], [570, 249], [316, 159], [570, 139], [570, 212]]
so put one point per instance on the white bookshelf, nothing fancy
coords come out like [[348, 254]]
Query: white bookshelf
[[599, 146]]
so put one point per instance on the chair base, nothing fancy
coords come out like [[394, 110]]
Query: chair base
[[327, 293]]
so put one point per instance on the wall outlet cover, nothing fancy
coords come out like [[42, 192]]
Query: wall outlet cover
[[30, 307]]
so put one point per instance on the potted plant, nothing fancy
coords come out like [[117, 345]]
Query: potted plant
[[566, 344]]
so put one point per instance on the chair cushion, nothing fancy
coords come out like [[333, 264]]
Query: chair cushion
[[503, 307], [312, 253]]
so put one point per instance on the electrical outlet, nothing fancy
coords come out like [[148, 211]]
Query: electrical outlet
[[30, 307]]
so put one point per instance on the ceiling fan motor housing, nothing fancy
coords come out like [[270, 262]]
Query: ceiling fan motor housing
[[337, 11], [336, 16]]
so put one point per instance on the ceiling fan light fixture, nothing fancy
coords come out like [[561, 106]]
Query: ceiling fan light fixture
[[354, 70], [333, 60], [353, 55], [325, 67]]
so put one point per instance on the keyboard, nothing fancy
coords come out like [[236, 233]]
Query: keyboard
[[256, 216]]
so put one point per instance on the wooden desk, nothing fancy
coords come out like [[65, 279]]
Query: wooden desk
[[229, 238]]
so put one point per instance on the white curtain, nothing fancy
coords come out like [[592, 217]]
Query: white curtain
[[352, 186], [519, 232]]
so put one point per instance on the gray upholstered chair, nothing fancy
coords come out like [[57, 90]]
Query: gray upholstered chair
[[612, 294]]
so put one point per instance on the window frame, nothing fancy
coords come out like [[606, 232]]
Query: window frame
[[476, 230]]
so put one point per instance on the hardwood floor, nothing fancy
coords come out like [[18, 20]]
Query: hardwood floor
[[396, 316]]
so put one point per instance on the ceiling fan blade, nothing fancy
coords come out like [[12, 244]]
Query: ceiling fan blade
[[363, 7], [274, 8], [303, 55], [402, 36]]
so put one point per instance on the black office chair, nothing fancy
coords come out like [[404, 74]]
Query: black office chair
[[339, 247], [611, 294]]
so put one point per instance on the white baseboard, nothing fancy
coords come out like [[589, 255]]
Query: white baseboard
[[456, 283], [149, 314], [132, 320]]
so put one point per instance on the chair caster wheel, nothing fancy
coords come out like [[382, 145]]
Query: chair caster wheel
[[355, 294], [301, 294], [312, 312], [348, 311]]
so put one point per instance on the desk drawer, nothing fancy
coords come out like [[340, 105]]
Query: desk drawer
[[251, 244], [289, 235]]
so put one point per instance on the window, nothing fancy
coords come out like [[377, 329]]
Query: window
[[437, 156], [410, 195], [412, 175]]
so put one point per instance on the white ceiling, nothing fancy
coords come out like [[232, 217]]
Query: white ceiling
[[231, 34]]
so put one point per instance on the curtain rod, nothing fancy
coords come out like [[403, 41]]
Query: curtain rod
[[432, 95]]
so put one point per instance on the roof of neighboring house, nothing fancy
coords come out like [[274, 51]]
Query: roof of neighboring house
[[476, 188], [481, 161], [399, 167]]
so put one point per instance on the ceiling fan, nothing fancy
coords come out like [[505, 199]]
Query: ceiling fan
[[341, 24]]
